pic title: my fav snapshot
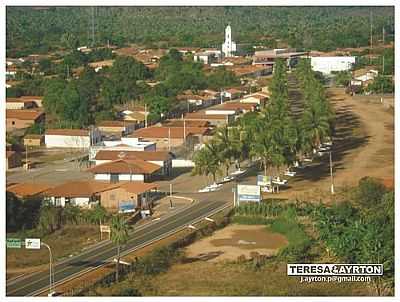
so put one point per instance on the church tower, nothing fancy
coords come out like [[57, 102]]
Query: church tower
[[229, 47]]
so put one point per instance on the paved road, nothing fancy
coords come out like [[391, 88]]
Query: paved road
[[35, 283]]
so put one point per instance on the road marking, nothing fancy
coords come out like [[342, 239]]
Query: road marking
[[110, 249], [81, 273], [99, 244]]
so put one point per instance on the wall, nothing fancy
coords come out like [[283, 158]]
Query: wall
[[32, 142], [14, 105], [178, 163], [12, 123], [110, 199], [64, 141], [78, 201], [328, 64], [162, 143], [122, 177]]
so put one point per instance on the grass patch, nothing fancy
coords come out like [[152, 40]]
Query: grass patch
[[63, 242], [299, 242]]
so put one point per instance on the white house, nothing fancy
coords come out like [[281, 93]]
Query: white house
[[125, 170], [71, 138], [259, 98], [77, 193], [125, 144], [327, 65], [204, 57], [160, 158]]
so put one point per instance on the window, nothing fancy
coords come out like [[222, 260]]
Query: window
[[114, 178], [112, 196], [13, 123]]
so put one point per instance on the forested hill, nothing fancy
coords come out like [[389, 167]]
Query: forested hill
[[322, 28]]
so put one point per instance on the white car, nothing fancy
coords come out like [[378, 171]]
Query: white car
[[238, 172], [210, 188], [290, 173], [227, 179], [279, 181]]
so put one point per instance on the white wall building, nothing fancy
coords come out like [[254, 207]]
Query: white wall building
[[229, 47], [328, 64], [71, 138]]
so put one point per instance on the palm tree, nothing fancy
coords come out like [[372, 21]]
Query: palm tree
[[223, 142], [315, 125], [207, 160], [119, 236]]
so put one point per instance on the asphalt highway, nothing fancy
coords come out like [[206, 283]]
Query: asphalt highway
[[36, 283]]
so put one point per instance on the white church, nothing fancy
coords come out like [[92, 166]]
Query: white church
[[229, 46]]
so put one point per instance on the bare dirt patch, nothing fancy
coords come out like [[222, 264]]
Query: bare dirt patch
[[236, 240]]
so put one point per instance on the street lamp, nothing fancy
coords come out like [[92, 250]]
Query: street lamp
[[51, 271]]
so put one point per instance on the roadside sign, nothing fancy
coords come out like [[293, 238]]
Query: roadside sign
[[264, 180], [32, 243], [249, 193], [14, 243], [105, 229], [127, 206]]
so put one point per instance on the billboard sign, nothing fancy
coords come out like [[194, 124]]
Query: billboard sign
[[32, 243], [249, 193], [14, 243], [264, 180], [127, 206]]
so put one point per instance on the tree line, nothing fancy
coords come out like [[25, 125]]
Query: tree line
[[275, 136], [33, 30]]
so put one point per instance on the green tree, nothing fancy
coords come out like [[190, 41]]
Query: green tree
[[119, 236]]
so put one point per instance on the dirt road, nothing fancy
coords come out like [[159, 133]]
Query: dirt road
[[363, 146]]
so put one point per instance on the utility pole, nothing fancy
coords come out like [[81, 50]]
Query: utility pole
[[331, 168], [184, 130]]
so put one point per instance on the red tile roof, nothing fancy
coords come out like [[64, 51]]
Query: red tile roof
[[22, 114], [78, 189], [33, 136], [189, 123], [123, 166], [235, 106], [27, 189], [137, 187], [165, 132], [68, 132], [114, 123]]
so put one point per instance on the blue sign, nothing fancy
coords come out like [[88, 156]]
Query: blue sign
[[249, 193], [126, 206]]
